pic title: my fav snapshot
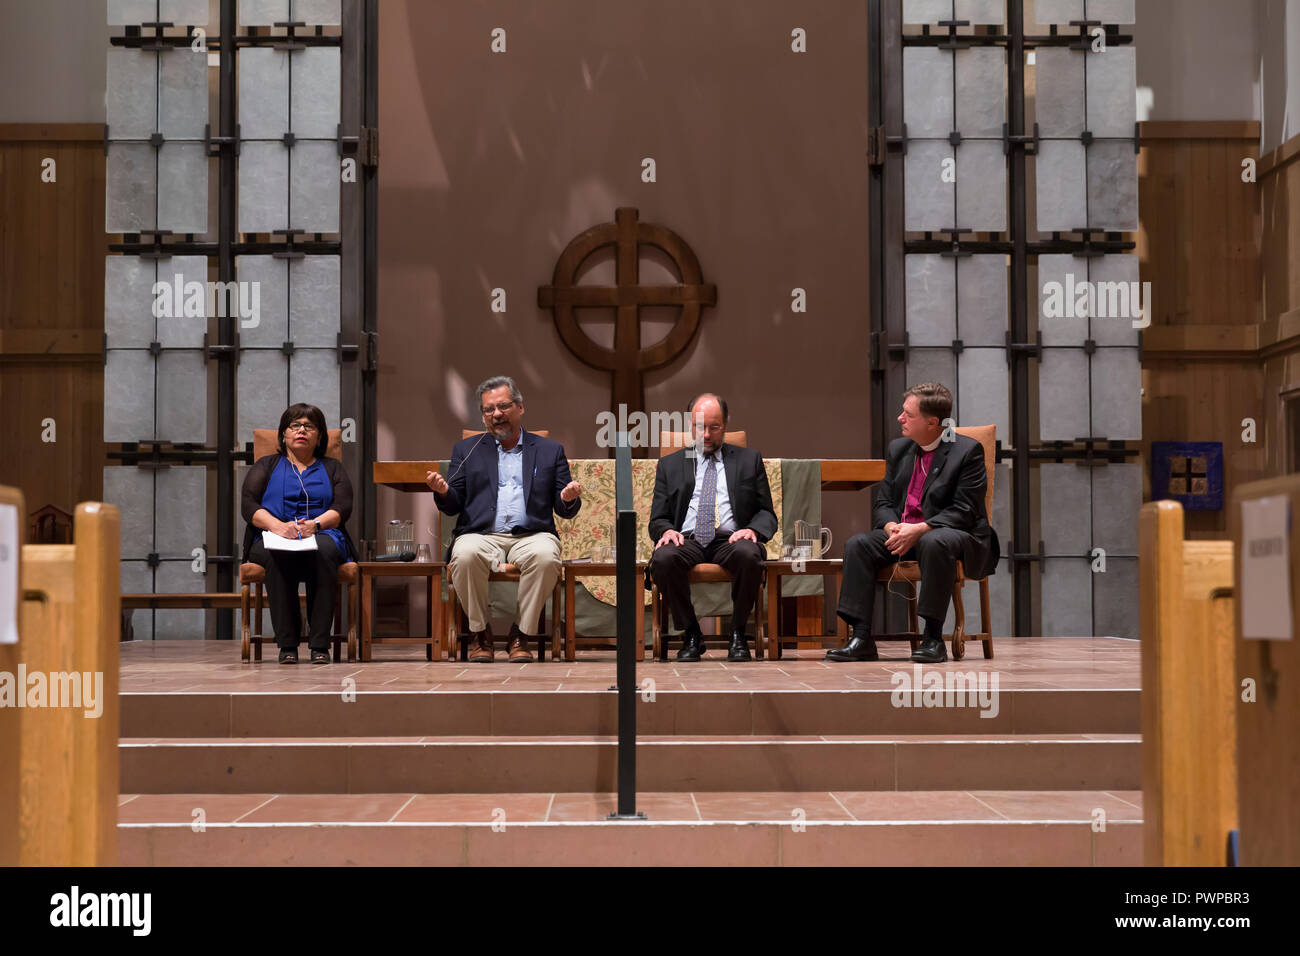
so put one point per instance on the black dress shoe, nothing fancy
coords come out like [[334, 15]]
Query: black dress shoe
[[692, 645], [931, 651], [288, 655], [739, 650], [320, 657], [857, 649]]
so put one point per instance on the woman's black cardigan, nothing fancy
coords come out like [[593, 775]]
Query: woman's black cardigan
[[255, 487]]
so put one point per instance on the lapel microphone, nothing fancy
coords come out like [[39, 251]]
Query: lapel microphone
[[470, 452]]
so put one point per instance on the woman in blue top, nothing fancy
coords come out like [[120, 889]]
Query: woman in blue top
[[299, 493]]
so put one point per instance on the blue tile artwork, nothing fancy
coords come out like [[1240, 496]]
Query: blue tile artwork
[[1189, 472]]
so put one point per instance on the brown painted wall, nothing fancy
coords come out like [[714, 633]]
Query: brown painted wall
[[491, 162]]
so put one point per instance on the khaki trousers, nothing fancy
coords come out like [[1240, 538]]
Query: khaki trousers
[[536, 555]]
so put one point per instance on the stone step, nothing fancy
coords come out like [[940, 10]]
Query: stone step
[[810, 710], [588, 764], [763, 828]]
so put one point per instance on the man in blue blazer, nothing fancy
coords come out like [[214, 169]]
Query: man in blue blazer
[[506, 485]]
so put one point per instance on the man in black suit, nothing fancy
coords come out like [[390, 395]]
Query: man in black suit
[[711, 504], [505, 484], [929, 509]]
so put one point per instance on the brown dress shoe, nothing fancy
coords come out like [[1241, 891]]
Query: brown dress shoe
[[480, 649], [518, 646]]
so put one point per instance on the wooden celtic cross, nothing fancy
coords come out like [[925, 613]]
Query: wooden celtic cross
[[627, 359]]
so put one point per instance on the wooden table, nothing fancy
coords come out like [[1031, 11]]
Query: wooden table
[[368, 571], [584, 567], [838, 474], [776, 570]]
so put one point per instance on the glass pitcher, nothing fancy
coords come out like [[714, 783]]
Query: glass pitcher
[[400, 536], [810, 540]]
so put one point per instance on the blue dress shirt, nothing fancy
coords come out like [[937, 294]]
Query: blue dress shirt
[[510, 486]]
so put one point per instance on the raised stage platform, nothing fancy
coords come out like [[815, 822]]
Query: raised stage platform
[[402, 761]]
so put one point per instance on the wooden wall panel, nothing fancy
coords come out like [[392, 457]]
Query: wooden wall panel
[[52, 248], [1198, 240], [1279, 190], [1198, 245], [1280, 333]]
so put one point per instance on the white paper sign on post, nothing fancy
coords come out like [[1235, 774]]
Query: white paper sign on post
[[1266, 569], [9, 555]]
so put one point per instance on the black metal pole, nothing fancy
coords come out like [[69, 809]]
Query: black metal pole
[[370, 310], [1019, 290], [875, 231], [887, 70], [629, 605], [226, 326]]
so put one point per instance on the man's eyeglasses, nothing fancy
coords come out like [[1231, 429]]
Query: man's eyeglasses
[[305, 427], [501, 407]]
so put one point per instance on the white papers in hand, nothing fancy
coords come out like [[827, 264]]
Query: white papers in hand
[[274, 542]]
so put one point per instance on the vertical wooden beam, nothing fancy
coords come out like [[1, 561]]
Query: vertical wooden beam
[[69, 760], [1268, 747], [1188, 719], [97, 530], [11, 717]]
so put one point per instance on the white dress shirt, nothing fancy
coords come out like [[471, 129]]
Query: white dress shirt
[[722, 503]]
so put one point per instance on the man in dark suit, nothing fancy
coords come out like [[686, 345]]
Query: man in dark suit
[[711, 504], [504, 485], [929, 509]]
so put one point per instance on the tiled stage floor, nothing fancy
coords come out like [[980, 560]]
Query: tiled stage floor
[[939, 806], [1021, 664]]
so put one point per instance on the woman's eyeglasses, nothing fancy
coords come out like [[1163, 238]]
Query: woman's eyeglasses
[[305, 427]]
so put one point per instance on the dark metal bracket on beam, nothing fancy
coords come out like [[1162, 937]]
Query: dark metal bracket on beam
[[347, 351], [1029, 143], [1029, 557], [956, 250], [291, 41], [212, 144], [881, 348], [371, 340], [952, 41], [1088, 450], [211, 351], [290, 250], [1034, 348], [366, 145]]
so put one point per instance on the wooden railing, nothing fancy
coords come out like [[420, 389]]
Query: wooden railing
[[11, 499], [1189, 760], [66, 759]]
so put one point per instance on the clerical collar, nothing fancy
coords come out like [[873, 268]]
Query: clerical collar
[[932, 446]]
